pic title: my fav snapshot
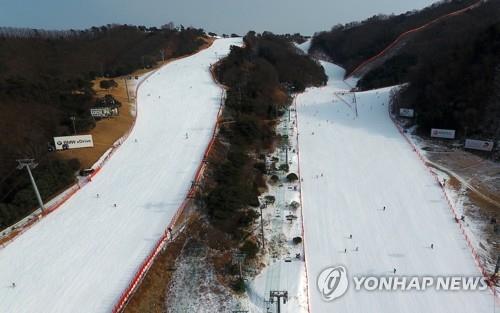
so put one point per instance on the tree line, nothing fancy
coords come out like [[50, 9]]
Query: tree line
[[260, 77], [452, 68]]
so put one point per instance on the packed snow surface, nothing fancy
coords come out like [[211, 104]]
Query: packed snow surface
[[352, 166], [82, 256]]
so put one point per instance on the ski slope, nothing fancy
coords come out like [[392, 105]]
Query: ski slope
[[351, 168], [82, 256]]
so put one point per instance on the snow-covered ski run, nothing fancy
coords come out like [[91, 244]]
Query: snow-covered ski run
[[354, 166], [82, 256]]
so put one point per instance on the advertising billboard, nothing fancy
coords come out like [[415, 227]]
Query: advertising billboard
[[443, 133], [73, 142], [478, 144]]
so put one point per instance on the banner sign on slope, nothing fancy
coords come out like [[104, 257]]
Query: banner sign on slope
[[73, 142], [443, 133], [478, 144], [406, 112]]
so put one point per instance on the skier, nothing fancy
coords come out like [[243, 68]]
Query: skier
[[135, 140], [13, 285], [357, 249], [187, 136], [350, 236], [432, 246], [394, 270], [97, 196], [321, 174], [114, 205], [345, 250], [383, 208]]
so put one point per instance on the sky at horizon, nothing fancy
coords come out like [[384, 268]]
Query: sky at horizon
[[220, 16]]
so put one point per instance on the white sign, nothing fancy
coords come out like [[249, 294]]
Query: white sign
[[478, 144], [443, 133], [103, 112], [100, 112], [406, 112], [73, 142]]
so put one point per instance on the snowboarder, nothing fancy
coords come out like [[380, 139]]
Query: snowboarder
[[432, 246]]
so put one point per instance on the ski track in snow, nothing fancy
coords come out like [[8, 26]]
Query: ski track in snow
[[82, 256], [367, 164]]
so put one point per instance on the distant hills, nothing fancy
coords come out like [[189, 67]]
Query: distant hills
[[452, 66]]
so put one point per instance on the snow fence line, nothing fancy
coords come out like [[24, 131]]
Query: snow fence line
[[301, 202], [475, 255], [408, 32], [64, 196], [146, 264]]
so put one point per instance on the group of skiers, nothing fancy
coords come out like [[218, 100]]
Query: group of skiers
[[357, 248]]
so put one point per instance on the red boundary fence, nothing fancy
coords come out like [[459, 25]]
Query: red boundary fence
[[146, 264], [475, 255], [413, 30]]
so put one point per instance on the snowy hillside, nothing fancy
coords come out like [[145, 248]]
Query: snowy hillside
[[82, 256], [354, 166]]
